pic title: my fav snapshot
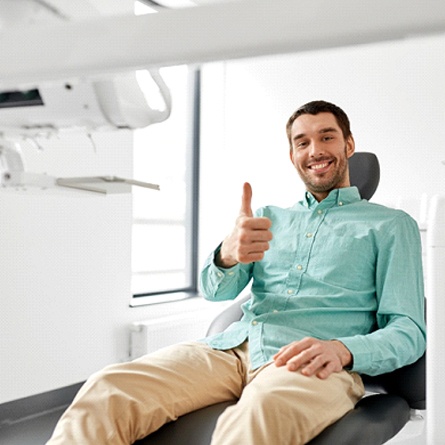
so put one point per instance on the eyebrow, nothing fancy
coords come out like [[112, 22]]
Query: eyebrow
[[321, 131]]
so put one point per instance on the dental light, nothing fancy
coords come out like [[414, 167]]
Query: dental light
[[111, 103]]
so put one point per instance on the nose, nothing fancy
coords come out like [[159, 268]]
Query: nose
[[315, 149]]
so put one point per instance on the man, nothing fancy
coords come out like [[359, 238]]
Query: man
[[337, 290]]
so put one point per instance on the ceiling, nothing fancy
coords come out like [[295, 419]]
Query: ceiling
[[29, 12], [15, 13]]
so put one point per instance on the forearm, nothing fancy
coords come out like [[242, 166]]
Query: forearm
[[398, 344]]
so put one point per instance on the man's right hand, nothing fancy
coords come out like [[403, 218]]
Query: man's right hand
[[250, 236]]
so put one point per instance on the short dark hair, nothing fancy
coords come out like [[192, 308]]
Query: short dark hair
[[321, 106]]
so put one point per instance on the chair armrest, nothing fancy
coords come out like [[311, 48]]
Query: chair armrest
[[227, 316], [408, 382]]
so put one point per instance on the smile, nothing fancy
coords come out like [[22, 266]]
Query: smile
[[320, 166]]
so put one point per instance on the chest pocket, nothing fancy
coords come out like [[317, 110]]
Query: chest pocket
[[345, 258]]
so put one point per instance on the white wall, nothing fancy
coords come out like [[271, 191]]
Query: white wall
[[64, 265], [65, 270], [393, 94]]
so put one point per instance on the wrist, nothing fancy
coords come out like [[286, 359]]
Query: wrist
[[223, 261], [344, 354]]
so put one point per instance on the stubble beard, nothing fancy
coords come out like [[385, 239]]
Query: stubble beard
[[325, 184]]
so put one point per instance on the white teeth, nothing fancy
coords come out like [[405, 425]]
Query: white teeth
[[319, 166]]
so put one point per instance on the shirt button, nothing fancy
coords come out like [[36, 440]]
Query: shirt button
[[299, 267], [220, 274], [231, 273], [319, 212], [309, 235], [254, 322], [275, 311], [340, 203], [290, 291]]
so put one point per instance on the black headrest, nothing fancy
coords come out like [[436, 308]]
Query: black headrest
[[364, 173]]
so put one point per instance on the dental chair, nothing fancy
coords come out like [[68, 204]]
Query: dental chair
[[376, 418]]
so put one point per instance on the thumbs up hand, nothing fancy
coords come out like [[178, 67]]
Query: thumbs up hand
[[249, 238]]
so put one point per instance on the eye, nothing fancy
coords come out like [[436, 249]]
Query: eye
[[300, 144]]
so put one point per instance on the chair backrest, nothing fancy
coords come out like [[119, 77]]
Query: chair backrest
[[364, 173]]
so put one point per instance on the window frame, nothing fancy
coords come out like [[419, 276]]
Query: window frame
[[192, 202]]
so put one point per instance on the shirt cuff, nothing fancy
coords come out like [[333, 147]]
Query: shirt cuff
[[361, 357]]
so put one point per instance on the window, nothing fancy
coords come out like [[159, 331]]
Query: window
[[164, 246]]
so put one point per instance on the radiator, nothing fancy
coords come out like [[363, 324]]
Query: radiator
[[150, 335]]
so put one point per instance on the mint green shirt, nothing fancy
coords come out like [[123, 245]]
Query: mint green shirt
[[340, 269]]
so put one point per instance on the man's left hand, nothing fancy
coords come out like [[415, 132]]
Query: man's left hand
[[314, 357]]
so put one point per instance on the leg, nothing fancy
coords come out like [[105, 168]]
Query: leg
[[128, 401], [283, 407]]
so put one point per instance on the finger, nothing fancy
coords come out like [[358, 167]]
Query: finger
[[246, 200], [293, 349], [307, 359], [322, 372], [284, 350], [327, 370], [254, 247], [250, 257], [316, 365], [281, 352], [283, 357], [261, 223]]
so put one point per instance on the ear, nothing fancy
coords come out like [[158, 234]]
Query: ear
[[350, 146]]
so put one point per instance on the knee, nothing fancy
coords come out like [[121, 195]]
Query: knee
[[106, 382], [106, 376], [271, 400]]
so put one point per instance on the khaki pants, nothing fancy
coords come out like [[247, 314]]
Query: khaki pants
[[126, 402]]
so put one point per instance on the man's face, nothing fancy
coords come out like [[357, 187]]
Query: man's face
[[320, 153]]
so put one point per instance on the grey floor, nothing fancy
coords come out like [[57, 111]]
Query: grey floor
[[34, 430], [31, 420]]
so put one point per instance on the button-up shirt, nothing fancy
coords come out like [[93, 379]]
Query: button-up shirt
[[343, 269]]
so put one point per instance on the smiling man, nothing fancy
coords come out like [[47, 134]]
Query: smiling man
[[337, 290]]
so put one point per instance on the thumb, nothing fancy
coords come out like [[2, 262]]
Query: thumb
[[246, 200]]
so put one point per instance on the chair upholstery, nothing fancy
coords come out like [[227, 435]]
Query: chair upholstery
[[364, 173], [375, 419]]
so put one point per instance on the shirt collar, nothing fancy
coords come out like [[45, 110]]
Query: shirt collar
[[337, 197]]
